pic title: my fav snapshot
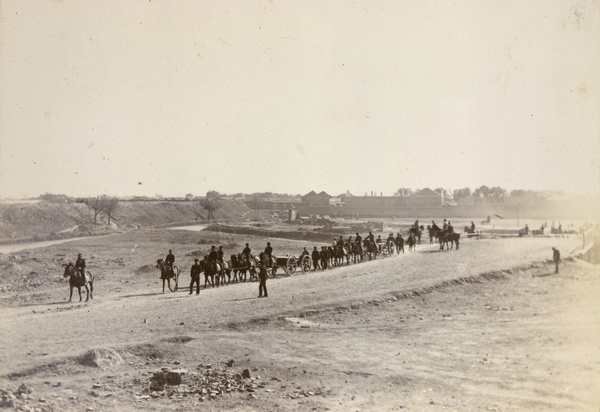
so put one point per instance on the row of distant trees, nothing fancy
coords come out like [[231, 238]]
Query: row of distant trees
[[485, 191]]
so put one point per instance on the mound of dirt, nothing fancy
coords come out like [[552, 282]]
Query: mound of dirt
[[101, 358], [145, 269]]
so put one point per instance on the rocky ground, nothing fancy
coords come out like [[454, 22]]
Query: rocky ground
[[487, 327]]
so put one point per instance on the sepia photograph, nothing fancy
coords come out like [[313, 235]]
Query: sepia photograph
[[269, 205]]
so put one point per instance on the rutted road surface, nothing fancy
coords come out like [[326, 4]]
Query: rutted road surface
[[433, 330]]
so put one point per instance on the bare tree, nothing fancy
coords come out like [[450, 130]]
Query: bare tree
[[97, 205], [211, 206], [110, 206]]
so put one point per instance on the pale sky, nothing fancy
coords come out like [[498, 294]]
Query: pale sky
[[174, 97]]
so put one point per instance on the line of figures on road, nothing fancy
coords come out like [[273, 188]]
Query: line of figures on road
[[247, 266]]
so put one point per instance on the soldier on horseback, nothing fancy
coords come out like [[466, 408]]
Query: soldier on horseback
[[269, 255], [170, 260], [80, 266], [445, 225], [450, 228], [358, 239], [213, 256], [434, 226]]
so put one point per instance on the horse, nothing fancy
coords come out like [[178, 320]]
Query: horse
[[371, 249], [75, 281], [357, 252], [416, 233], [433, 233], [411, 241], [445, 236], [210, 271], [242, 265], [340, 252], [166, 273], [225, 272]]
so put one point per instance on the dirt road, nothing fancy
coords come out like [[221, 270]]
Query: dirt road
[[487, 327]]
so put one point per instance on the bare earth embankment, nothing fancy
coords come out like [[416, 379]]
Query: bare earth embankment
[[487, 327]]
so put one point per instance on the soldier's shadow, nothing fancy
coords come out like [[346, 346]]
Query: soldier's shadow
[[541, 275]]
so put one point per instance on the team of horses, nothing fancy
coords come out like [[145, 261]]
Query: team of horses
[[243, 268]]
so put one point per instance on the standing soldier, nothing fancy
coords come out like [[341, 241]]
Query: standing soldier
[[400, 243], [324, 258], [269, 254], [195, 275], [170, 260], [556, 257], [262, 275], [315, 258], [80, 266]]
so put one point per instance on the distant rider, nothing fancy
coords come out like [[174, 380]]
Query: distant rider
[[170, 260], [80, 266]]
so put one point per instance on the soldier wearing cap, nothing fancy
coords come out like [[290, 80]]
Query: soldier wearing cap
[[262, 275], [195, 275], [315, 258]]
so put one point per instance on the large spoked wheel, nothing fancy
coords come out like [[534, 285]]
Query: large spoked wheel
[[291, 265], [176, 278], [306, 264]]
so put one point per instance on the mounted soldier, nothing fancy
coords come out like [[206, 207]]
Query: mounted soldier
[[358, 239], [213, 256], [80, 266], [170, 260], [269, 255]]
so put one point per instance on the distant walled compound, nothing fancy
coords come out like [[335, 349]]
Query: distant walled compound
[[428, 203]]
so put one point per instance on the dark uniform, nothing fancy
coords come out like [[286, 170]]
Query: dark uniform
[[195, 275], [220, 254], [371, 237], [315, 258], [170, 260], [358, 239], [400, 243], [246, 252], [340, 242], [80, 266], [262, 275], [269, 254], [450, 228], [324, 255], [212, 260], [556, 257]]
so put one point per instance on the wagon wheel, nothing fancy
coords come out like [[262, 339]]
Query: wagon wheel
[[291, 265], [306, 264]]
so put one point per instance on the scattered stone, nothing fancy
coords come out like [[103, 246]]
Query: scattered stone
[[24, 389], [230, 363], [246, 373]]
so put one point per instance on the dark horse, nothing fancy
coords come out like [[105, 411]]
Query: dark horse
[[416, 234], [166, 273], [210, 271], [76, 281], [446, 237], [357, 252], [411, 241], [241, 265], [341, 254]]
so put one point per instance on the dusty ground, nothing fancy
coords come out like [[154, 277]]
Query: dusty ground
[[487, 327]]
